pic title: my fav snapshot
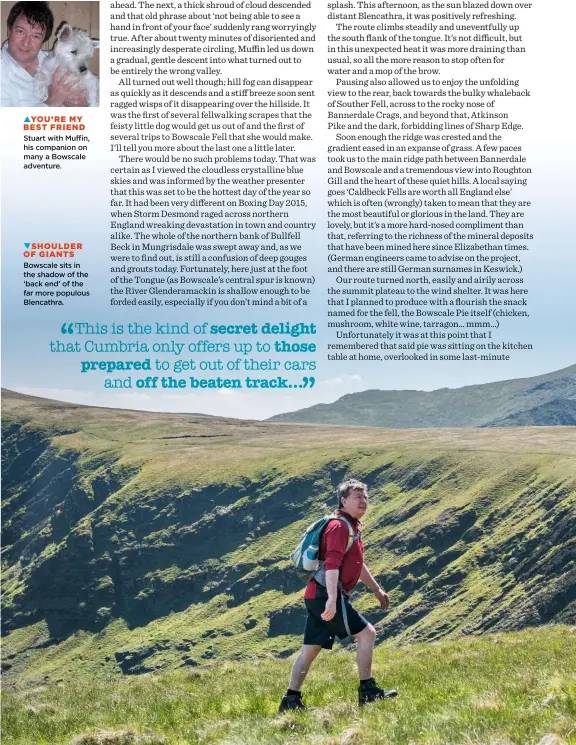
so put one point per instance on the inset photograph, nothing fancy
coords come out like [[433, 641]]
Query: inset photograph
[[49, 54]]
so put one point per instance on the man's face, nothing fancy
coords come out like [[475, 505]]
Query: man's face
[[356, 503], [24, 42]]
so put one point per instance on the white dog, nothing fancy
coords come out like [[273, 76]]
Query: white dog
[[72, 51]]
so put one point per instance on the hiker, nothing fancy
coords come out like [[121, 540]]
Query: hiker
[[330, 613]]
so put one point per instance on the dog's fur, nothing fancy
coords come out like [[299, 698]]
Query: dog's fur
[[72, 52]]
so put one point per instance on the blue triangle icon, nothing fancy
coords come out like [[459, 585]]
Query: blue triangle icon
[[27, 119], [27, 245]]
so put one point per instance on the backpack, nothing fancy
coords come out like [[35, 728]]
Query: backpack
[[305, 558]]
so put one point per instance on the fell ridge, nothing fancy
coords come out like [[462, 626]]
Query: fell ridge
[[132, 543]]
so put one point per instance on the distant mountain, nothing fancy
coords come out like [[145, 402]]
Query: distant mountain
[[546, 400], [134, 541]]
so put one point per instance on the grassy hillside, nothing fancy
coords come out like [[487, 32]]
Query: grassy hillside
[[545, 400], [498, 689], [135, 542]]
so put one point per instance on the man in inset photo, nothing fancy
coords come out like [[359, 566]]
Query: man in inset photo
[[29, 26]]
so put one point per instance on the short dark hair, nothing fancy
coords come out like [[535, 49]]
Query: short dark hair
[[348, 486], [36, 13]]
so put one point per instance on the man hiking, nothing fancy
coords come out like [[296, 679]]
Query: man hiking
[[329, 612]]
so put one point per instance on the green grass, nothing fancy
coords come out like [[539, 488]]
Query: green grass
[[126, 533], [502, 689]]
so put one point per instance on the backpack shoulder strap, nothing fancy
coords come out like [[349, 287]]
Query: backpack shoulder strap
[[320, 575], [352, 536]]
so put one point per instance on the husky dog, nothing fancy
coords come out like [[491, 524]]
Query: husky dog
[[72, 52]]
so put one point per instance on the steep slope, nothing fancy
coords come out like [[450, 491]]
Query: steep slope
[[135, 541], [545, 400]]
